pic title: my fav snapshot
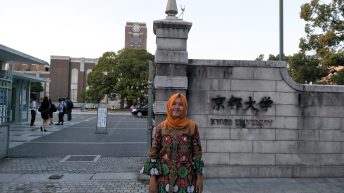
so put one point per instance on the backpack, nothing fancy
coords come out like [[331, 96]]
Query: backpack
[[53, 108], [70, 104], [61, 108], [44, 110]]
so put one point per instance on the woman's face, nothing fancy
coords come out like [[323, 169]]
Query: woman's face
[[177, 107]]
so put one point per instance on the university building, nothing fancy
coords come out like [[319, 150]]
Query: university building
[[135, 35], [37, 71], [68, 75]]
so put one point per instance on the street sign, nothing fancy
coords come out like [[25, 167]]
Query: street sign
[[101, 120]]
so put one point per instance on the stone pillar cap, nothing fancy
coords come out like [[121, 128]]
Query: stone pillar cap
[[171, 9]]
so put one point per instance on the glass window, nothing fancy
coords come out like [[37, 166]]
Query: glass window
[[74, 77], [74, 85]]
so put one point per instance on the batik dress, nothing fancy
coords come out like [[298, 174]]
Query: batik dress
[[174, 158]]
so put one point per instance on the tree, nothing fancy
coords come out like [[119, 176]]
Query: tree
[[260, 57], [321, 50], [338, 78], [123, 74], [101, 80], [83, 95], [303, 68], [36, 87], [325, 31]]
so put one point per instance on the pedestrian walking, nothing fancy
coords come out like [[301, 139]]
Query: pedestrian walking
[[33, 107], [61, 109], [45, 109], [175, 159], [70, 106]]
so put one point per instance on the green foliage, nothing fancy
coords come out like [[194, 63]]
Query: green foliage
[[303, 68], [325, 31], [275, 58], [123, 74], [322, 48], [36, 87], [260, 57], [338, 78], [82, 96], [101, 79]]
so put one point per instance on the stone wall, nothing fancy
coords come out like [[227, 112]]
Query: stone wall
[[255, 121]]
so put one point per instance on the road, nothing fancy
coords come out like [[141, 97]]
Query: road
[[126, 137]]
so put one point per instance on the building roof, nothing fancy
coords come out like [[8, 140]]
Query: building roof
[[11, 55], [23, 76]]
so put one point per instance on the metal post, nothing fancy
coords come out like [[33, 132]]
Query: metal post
[[281, 29], [150, 105], [4, 139]]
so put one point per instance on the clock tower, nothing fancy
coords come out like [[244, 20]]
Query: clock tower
[[136, 35]]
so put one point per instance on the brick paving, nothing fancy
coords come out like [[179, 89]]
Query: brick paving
[[111, 174], [51, 165], [99, 186]]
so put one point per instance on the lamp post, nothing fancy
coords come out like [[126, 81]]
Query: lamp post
[[281, 29]]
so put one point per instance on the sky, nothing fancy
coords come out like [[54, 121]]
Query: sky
[[221, 29]]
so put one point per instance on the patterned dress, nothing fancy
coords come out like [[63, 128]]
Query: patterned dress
[[175, 157]]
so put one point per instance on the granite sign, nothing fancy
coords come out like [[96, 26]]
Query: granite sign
[[254, 120]]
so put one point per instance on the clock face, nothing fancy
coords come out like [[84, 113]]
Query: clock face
[[136, 28]]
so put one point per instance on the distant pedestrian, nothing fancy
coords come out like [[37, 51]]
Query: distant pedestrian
[[61, 109], [65, 105], [70, 106], [33, 107], [45, 109], [53, 109]]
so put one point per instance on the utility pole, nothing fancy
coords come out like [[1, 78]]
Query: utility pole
[[281, 54], [150, 105]]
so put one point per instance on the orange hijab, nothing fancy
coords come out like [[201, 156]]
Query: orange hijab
[[177, 122]]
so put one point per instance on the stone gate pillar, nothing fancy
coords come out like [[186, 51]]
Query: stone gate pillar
[[171, 58]]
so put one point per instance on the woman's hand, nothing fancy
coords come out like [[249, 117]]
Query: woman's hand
[[199, 183], [153, 186]]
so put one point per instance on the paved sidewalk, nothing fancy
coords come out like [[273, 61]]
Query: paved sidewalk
[[121, 174], [23, 133], [128, 182]]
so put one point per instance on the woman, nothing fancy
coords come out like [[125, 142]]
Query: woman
[[45, 110], [51, 112], [175, 163]]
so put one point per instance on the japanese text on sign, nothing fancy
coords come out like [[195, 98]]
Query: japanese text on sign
[[102, 116], [236, 102]]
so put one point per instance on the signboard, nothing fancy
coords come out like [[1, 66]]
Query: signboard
[[101, 119]]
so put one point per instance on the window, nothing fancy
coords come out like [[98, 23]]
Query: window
[[74, 85], [74, 77]]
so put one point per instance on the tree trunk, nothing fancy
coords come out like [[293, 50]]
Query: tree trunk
[[122, 103]]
